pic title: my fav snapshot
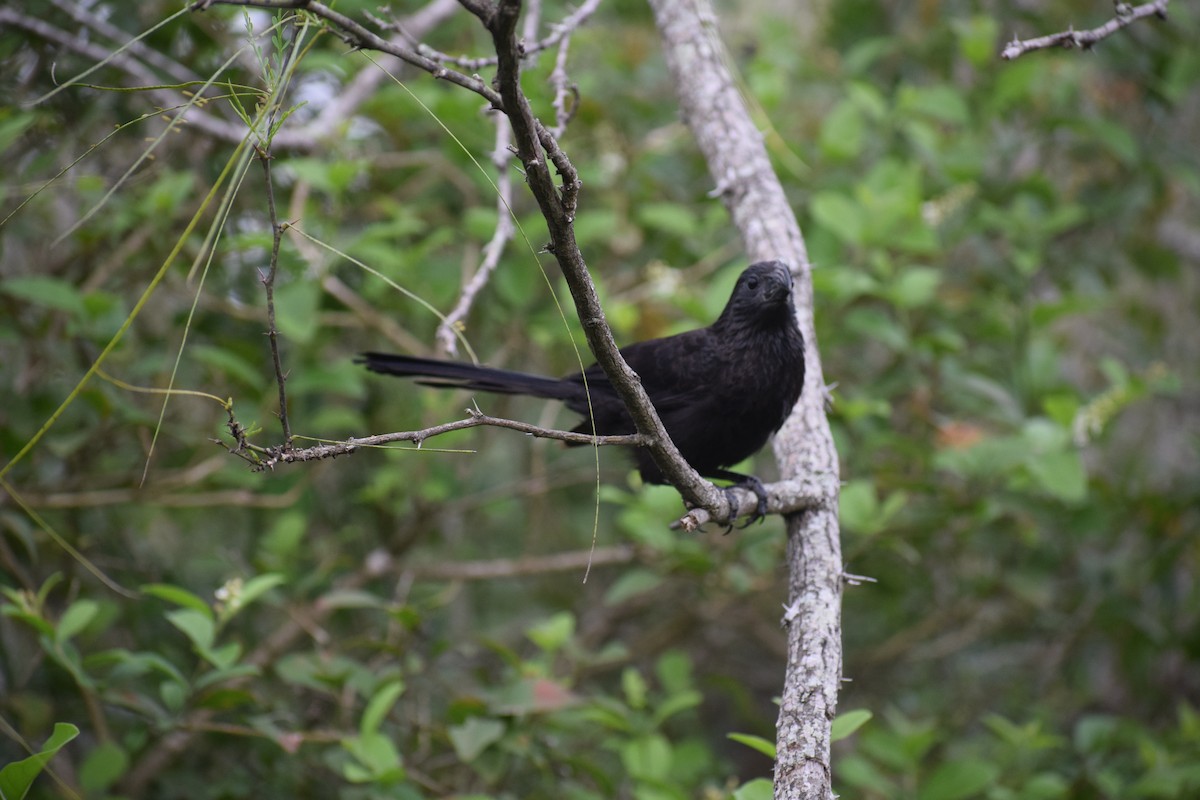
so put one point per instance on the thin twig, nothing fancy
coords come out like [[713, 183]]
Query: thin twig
[[264, 157], [501, 155], [1085, 40], [264, 458], [563, 89]]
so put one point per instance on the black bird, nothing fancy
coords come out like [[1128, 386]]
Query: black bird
[[720, 391]]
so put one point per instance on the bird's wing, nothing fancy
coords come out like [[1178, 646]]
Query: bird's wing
[[668, 368]]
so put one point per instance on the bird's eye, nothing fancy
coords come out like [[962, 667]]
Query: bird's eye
[[752, 283]]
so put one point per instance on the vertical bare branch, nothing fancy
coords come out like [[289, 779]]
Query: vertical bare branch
[[268, 280], [737, 159]]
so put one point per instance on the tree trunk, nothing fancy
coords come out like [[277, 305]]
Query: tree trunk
[[713, 109]]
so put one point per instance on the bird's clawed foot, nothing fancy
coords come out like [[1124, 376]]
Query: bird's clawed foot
[[760, 511]]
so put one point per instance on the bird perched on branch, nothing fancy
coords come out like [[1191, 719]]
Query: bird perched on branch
[[720, 391]]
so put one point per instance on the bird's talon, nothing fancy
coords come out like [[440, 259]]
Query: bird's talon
[[730, 497], [752, 484]]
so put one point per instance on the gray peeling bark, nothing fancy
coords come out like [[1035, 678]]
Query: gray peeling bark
[[713, 109]]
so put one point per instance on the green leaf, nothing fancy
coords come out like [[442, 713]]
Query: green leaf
[[326, 175], [590, 229], [178, 596], [173, 695], [757, 789], [634, 686], [380, 704], [103, 767], [843, 131], [767, 748], [915, 287], [632, 583], [670, 218], [227, 363], [858, 506], [873, 324], [844, 283], [129, 665], [255, 588], [674, 671], [846, 723], [296, 306], [352, 598], [1061, 408], [943, 103], [17, 777], [47, 586], [902, 746], [551, 634], [958, 780], [647, 757], [377, 757], [1048, 786], [196, 626], [868, 97], [12, 128], [474, 736], [167, 193], [223, 674], [840, 215], [225, 656], [47, 292], [977, 39], [75, 619], [1060, 474], [861, 773], [1117, 138], [676, 704], [282, 543], [1095, 733]]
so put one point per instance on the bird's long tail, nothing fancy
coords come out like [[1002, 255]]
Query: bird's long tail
[[457, 375]]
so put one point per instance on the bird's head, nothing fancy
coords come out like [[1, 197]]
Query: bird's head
[[762, 296]]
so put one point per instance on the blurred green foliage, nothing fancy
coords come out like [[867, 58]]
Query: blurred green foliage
[[1006, 297]]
